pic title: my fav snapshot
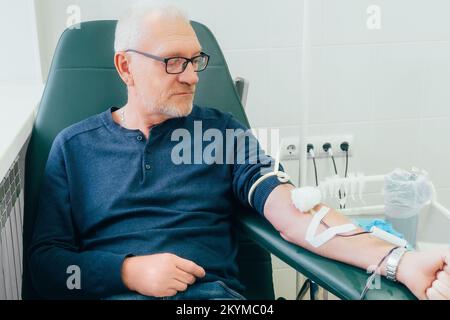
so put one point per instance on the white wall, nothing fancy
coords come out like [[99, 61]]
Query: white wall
[[388, 87], [19, 54]]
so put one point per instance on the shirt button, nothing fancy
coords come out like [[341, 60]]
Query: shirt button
[[147, 167], [139, 138]]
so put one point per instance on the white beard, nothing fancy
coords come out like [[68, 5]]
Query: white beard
[[173, 111], [168, 110]]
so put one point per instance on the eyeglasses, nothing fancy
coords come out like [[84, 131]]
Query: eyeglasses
[[177, 65]]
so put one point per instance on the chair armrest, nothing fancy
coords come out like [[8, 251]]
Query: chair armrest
[[343, 280]]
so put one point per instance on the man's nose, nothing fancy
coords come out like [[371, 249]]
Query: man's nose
[[189, 76]]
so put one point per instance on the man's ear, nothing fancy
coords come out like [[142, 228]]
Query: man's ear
[[122, 64]]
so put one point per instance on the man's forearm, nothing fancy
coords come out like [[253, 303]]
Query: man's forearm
[[362, 250]]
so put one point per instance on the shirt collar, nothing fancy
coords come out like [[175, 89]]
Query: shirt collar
[[115, 127]]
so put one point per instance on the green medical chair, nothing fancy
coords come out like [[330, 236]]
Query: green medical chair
[[83, 82]]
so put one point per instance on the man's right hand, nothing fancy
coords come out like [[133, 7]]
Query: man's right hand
[[159, 275]]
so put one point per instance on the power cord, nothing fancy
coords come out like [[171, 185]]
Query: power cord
[[327, 148], [344, 147], [310, 150], [309, 284]]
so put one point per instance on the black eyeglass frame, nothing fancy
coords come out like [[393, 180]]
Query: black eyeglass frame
[[166, 60]]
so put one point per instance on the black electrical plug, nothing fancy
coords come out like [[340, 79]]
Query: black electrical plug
[[345, 146], [326, 146], [310, 151]]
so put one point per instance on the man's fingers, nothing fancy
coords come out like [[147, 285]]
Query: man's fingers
[[444, 277], [170, 293], [184, 276], [433, 294], [178, 285], [447, 269], [442, 288], [190, 267]]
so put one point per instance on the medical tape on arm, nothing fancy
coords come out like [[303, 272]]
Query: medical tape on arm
[[327, 235], [306, 198]]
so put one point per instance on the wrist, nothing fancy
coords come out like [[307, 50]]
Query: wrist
[[403, 267], [382, 268]]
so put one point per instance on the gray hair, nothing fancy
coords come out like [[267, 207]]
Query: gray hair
[[129, 27]]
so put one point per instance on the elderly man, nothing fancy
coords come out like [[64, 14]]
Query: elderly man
[[116, 207]]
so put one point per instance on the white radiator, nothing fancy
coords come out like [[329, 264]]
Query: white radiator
[[11, 217]]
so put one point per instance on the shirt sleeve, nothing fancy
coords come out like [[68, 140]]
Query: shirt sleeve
[[59, 270], [250, 162]]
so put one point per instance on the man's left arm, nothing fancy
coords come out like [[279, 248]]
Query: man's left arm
[[426, 274]]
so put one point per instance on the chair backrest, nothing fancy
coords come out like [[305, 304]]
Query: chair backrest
[[83, 82]]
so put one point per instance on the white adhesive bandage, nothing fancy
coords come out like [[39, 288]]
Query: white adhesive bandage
[[317, 241], [383, 235], [305, 199]]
